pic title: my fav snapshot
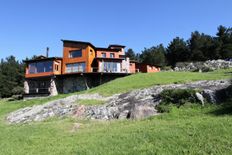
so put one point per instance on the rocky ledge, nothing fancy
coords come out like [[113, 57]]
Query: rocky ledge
[[206, 66], [135, 104]]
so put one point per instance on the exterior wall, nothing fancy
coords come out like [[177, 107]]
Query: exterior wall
[[72, 84], [152, 69], [121, 52], [126, 65], [132, 67], [91, 56], [59, 63], [99, 54], [86, 56], [144, 68], [39, 75]]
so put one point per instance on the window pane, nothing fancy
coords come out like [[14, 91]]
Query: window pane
[[48, 66], [32, 68], [76, 67], [40, 67], [112, 55], [76, 53], [68, 68]]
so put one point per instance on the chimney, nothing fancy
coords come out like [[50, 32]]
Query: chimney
[[47, 52]]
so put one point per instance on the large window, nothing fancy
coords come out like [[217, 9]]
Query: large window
[[75, 54], [75, 67], [40, 67], [111, 67]]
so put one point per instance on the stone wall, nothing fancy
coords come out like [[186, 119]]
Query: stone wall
[[72, 84]]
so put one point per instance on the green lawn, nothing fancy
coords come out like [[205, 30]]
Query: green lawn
[[188, 130], [143, 80], [191, 129]]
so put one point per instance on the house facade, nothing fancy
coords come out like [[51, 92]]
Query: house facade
[[82, 66]]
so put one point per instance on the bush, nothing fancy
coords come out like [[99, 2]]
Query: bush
[[18, 90], [176, 97]]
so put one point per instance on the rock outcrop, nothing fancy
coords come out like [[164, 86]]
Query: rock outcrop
[[136, 104], [209, 65]]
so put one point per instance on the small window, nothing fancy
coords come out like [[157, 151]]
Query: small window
[[91, 52], [111, 55], [75, 54], [57, 67], [103, 55]]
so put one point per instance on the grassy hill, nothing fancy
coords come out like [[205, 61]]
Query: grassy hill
[[191, 129], [143, 80]]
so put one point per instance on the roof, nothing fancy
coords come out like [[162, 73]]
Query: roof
[[107, 49], [43, 58], [116, 45], [79, 42]]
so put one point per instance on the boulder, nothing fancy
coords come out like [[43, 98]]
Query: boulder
[[142, 111]]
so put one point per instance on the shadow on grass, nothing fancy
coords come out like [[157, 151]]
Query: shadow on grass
[[223, 109], [225, 97]]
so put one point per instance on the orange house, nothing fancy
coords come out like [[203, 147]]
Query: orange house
[[82, 66]]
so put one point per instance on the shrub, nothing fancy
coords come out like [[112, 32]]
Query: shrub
[[176, 97]]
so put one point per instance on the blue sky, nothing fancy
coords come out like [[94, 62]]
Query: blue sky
[[29, 26]]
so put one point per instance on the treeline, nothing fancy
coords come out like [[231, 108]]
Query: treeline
[[199, 47], [11, 77]]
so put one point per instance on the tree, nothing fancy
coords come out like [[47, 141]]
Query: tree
[[203, 47], [177, 51], [11, 76], [154, 55], [131, 54], [224, 37]]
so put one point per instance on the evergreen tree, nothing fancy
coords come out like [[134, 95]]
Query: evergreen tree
[[131, 54], [154, 55], [11, 77], [177, 51]]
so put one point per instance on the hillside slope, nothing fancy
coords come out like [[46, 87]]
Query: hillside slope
[[191, 129], [143, 80]]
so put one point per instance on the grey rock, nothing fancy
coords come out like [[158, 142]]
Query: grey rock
[[209, 65], [200, 98], [143, 111], [210, 96]]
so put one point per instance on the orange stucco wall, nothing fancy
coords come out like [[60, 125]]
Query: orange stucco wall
[[152, 69], [147, 68], [87, 55], [132, 67]]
